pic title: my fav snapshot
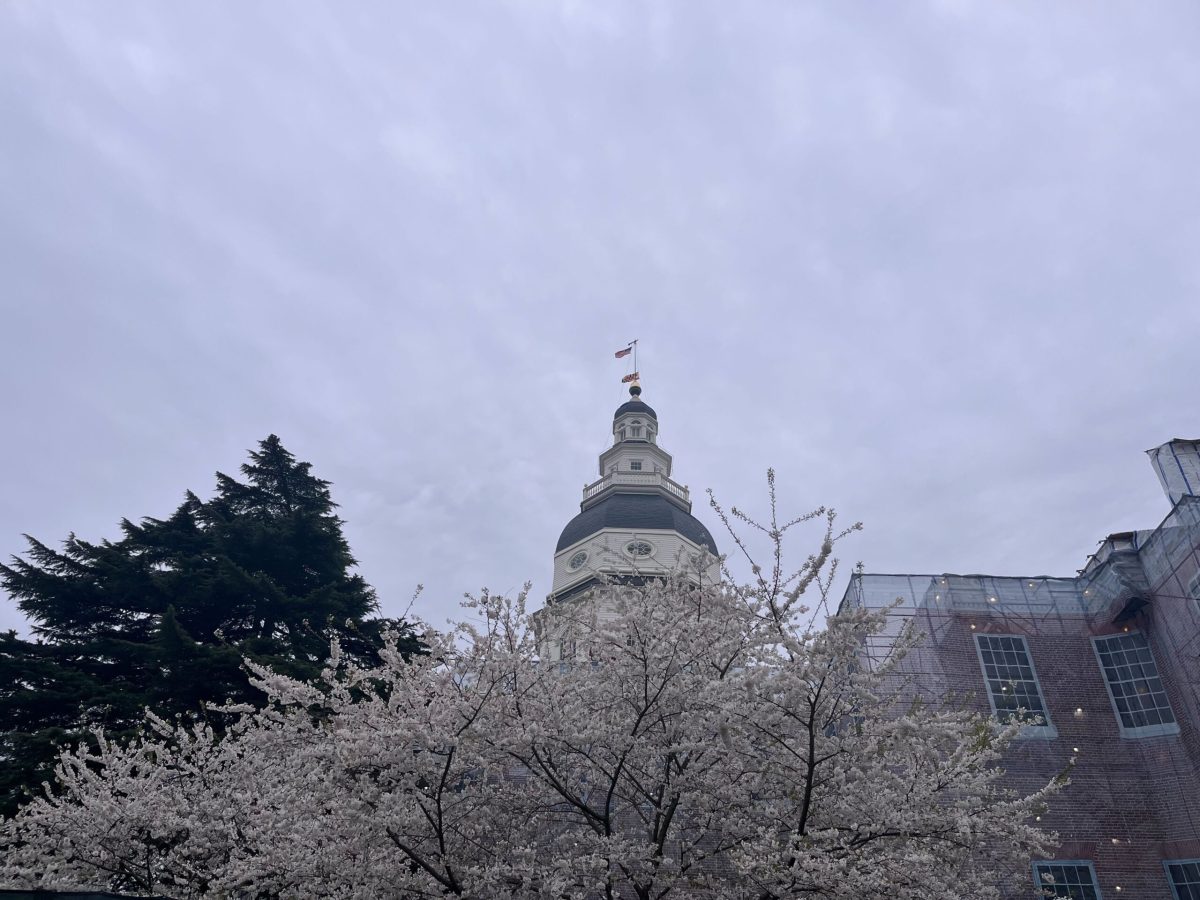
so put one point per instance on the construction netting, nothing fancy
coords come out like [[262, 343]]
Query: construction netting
[[1132, 800]]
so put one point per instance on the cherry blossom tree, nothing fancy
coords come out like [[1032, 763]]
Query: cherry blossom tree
[[699, 741]]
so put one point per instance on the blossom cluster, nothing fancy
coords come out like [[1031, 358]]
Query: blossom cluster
[[698, 742]]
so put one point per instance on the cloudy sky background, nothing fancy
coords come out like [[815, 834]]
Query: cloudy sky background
[[937, 263]]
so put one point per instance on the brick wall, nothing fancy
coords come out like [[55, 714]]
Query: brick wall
[[1132, 802]]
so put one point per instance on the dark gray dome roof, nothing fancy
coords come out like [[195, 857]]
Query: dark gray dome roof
[[637, 512], [635, 406]]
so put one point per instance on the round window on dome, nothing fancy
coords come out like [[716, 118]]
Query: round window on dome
[[639, 549], [577, 560]]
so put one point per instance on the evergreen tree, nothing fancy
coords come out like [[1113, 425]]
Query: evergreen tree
[[163, 617]]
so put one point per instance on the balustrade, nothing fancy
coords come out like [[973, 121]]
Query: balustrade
[[650, 479]]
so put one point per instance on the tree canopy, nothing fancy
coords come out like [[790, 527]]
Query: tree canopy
[[697, 742], [162, 618]]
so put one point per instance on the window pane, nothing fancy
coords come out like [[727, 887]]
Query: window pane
[[1138, 693], [1010, 678], [1073, 880], [1185, 879]]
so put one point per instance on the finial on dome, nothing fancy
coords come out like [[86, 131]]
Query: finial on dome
[[635, 391]]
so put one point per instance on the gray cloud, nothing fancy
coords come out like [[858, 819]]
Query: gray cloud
[[934, 262]]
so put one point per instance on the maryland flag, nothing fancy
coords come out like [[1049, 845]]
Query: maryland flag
[[632, 376]]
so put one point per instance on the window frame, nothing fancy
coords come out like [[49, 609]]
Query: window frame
[[1167, 863], [639, 542], [1046, 732], [1162, 729], [1087, 863], [635, 465]]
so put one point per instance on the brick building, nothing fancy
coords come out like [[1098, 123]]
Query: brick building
[[1109, 660]]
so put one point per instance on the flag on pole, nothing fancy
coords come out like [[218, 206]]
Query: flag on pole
[[624, 352], [632, 376]]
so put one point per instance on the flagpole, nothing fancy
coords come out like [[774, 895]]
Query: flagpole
[[631, 347]]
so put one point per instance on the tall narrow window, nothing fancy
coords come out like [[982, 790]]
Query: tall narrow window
[[1012, 682], [1073, 878], [1136, 691], [1184, 875]]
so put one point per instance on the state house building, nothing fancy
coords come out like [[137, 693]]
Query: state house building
[[635, 522]]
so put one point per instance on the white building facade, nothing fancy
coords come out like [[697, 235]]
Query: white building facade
[[635, 522]]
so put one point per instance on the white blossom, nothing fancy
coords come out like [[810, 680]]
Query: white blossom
[[705, 743]]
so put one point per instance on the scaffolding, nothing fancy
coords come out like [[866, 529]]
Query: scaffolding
[[1132, 802]]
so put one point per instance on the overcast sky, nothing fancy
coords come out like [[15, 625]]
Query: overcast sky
[[936, 263]]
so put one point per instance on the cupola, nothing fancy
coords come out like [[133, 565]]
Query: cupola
[[634, 420], [634, 521]]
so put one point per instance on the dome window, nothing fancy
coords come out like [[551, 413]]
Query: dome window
[[635, 465], [639, 549]]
